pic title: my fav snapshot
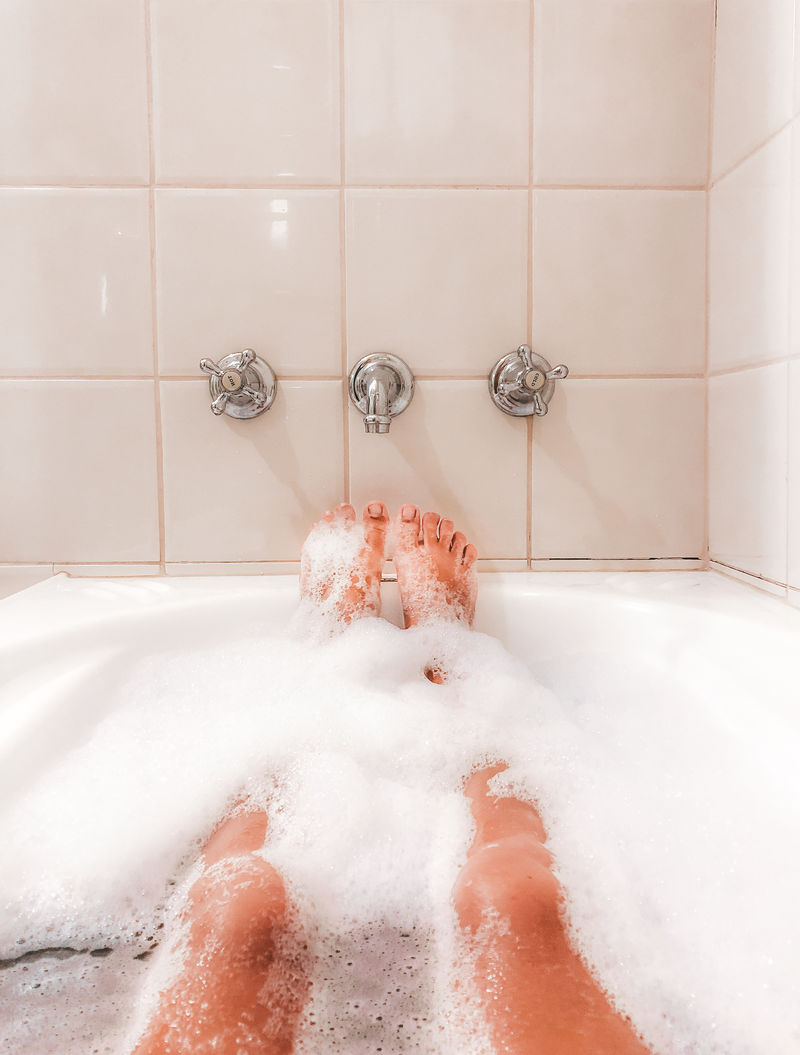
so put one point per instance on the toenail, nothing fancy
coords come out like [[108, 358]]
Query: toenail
[[374, 509], [409, 512]]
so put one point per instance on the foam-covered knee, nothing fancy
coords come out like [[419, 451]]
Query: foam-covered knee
[[242, 906], [511, 883]]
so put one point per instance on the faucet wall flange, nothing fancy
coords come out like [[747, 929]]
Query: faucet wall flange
[[522, 382], [241, 385], [381, 386]]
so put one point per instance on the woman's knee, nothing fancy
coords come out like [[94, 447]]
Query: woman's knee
[[241, 905], [509, 881]]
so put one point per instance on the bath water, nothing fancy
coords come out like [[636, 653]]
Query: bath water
[[674, 836]]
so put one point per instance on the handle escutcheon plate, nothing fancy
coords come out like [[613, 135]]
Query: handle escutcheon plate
[[241, 385], [522, 383]]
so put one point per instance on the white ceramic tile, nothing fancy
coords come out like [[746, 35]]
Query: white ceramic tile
[[16, 577], [275, 567], [438, 276], [437, 92], [74, 91], [249, 490], [621, 90], [618, 470], [619, 280], [794, 475], [454, 453], [249, 269], [793, 597], [81, 466], [747, 470], [754, 75], [75, 282], [246, 90], [749, 259], [108, 571]]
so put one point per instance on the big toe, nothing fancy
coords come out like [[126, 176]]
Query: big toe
[[346, 512], [407, 527]]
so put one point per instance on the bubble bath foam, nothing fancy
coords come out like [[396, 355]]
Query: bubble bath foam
[[653, 719]]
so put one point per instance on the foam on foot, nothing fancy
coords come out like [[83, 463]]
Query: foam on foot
[[435, 569], [340, 566]]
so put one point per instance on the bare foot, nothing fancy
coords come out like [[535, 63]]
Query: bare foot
[[342, 560], [435, 569], [538, 994]]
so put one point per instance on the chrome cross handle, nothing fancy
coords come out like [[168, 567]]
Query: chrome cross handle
[[523, 383], [241, 385]]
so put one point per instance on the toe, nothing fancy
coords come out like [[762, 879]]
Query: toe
[[407, 527], [470, 555], [346, 511], [376, 520], [458, 544], [430, 527], [446, 529]]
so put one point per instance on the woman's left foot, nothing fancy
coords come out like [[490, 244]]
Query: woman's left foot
[[342, 561]]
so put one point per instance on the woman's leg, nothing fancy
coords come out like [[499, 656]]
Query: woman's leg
[[539, 996], [241, 989]]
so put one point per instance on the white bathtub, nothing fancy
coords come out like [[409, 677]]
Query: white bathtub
[[63, 641]]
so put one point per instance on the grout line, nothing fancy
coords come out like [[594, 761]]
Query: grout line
[[743, 367], [707, 279], [289, 187], [343, 262], [153, 291], [529, 437], [749, 574], [752, 153], [450, 378]]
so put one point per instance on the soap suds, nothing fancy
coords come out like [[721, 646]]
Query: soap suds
[[674, 841]]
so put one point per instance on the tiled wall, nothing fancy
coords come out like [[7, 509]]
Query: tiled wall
[[754, 335], [318, 179]]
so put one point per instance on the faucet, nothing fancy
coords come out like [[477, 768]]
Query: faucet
[[381, 386]]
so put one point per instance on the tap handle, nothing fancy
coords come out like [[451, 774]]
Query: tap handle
[[241, 385], [522, 382]]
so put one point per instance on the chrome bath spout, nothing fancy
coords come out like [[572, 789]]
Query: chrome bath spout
[[381, 386]]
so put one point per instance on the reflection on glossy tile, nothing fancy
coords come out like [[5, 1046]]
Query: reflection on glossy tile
[[249, 490], [437, 92], [749, 262], [75, 282], [452, 452], [249, 269], [437, 276], [249, 94], [73, 85], [754, 76], [620, 89], [618, 470], [81, 466], [747, 470], [619, 280], [794, 473]]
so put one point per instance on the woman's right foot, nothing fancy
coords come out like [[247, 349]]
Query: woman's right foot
[[435, 569]]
